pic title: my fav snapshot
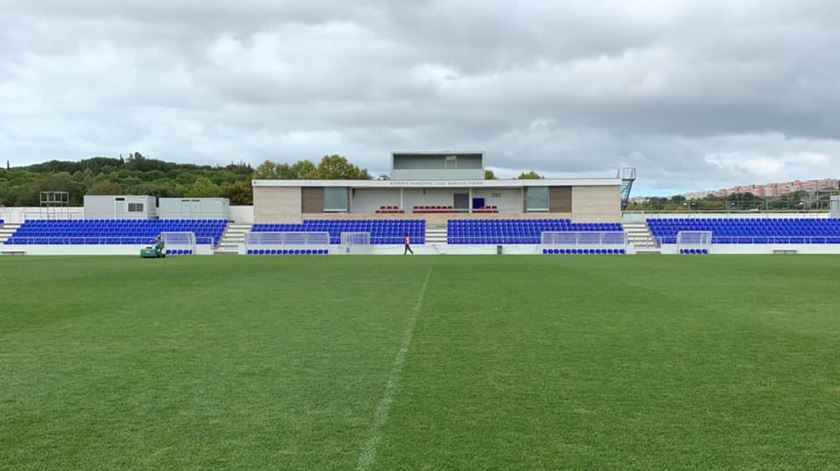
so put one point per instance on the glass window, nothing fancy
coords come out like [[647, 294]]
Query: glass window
[[335, 199], [135, 207], [537, 199]]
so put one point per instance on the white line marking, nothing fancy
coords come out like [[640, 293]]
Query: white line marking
[[380, 417]]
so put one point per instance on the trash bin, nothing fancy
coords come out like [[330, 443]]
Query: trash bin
[[498, 250]]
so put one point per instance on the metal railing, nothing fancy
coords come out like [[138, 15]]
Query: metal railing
[[759, 240], [642, 216], [581, 239], [71, 240]]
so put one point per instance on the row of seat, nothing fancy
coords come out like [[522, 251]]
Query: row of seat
[[288, 252], [382, 231], [486, 209], [389, 210], [516, 231], [437, 209], [747, 227], [584, 251], [179, 252], [694, 251], [113, 231]]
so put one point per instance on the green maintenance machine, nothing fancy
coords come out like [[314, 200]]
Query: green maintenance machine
[[154, 252]]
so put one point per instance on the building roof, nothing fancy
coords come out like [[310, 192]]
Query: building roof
[[509, 183]]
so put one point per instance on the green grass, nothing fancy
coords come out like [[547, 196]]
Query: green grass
[[514, 363]]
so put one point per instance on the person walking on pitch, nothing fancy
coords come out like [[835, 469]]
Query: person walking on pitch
[[407, 241]]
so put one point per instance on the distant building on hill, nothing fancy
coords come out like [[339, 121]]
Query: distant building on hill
[[771, 190]]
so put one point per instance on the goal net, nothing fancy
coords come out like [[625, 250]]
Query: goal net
[[288, 243], [595, 242], [694, 242], [179, 243], [354, 243]]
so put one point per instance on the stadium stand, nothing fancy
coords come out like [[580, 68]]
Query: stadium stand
[[113, 231], [516, 231], [389, 210], [751, 231], [382, 231]]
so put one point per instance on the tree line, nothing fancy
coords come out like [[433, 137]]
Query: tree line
[[141, 175]]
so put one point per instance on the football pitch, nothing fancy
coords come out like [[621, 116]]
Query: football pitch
[[437, 362]]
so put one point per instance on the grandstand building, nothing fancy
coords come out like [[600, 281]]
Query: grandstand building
[[437, 186], [441, 201]]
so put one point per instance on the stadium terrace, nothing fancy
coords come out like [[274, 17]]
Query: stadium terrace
[[433, 203]]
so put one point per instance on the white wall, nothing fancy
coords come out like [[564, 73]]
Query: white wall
[[369, 200], [508, 201], [242, 214], [744, 249], [133, 250], [433, 197], [193, 208], [105, 207], [19, 215]]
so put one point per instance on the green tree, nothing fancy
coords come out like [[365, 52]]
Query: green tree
[[532, 175], [105, 187], [336, 167], [239, 193], [204, 188], [489, 175]]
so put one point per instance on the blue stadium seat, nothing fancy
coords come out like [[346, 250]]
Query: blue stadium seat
[[114, 231], [751, 230]]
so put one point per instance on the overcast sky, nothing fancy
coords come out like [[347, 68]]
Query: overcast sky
[[695, 94]]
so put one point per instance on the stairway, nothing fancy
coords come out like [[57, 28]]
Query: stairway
[[436, 233], [233, 236], [639, 236], [7, 230]]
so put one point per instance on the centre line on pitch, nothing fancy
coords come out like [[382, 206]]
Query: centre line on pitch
[[368, 455]]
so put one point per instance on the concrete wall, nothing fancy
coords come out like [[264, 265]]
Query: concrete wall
[[277, 204], [193, 208], [596, 204]]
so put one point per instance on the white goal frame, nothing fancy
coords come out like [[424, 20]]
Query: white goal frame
[[274, 241], [694, 241], [178, 243], [355, 243], [592, 240]]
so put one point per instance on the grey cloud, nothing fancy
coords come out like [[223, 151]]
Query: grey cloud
[[694, 94]]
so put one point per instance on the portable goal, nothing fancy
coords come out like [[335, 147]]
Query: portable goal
[[355, 243], [594, 242], [294, 243], [179, 243], [694, 242]]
